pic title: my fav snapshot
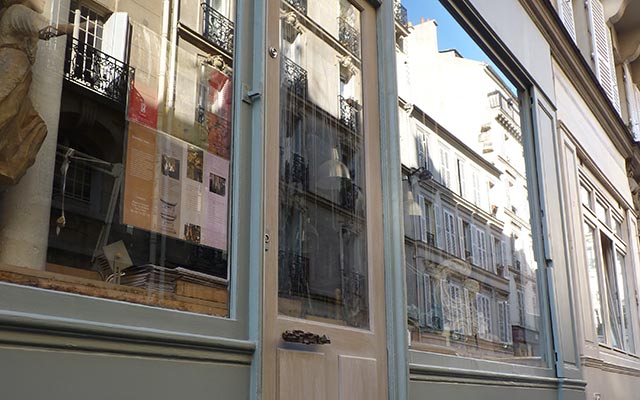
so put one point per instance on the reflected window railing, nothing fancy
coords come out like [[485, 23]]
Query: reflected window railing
[[294, 77], [400, 13], [92, 69], [348, 36], [300, 5], [349, 113], [217, 29], [509, 113]]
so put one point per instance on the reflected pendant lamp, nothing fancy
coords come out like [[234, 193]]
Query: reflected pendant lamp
[[332, 172]]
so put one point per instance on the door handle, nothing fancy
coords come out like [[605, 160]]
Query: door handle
[[308, 338]]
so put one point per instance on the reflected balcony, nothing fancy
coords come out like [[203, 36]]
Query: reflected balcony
[[508, 114], [400, 13], [96, 71], [217, 29], [431, 239], [349, 113], [300, 5], [348, 36], [294, 78]]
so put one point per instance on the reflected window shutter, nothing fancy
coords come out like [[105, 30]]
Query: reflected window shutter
[[423, 218], [565, 10], [503, 258], [483, 249], [493, 257], [443, 168], [475, 256], [466, 325], [449, 230], [635, 123], [463, 180], [461, 238], [420, 149], [502, 330], [602, 52], [485, 198], [444, 304], [489, 317], [427, 315], [476, 188], [115, 36], [439, 232], [507, 315]]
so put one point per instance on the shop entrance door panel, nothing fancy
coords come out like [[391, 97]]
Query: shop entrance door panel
[[324, 328]]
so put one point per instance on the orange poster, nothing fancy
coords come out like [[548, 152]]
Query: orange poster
[[139, 177]]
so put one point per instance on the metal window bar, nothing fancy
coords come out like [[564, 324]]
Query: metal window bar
[[217, 29], [97, 71], [348, 36]]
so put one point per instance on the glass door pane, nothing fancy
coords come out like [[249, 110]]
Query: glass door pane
[[322, 251]]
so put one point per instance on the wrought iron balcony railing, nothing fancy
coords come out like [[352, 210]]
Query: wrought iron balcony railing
[[217, 29], [97, 71], [349, 115], [293, 274], [300, 5], [348, 36], [400, 13], [294, 77]]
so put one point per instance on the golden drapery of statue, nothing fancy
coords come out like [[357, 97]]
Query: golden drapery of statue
[[22, 130]]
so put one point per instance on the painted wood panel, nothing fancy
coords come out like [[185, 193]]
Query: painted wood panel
[[301, 375], [358, 378]]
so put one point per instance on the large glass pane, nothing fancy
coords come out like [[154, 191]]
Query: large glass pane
[[621, 280], [322, 272], [471, 274], [129, 195], [612, 291], [594, 280]]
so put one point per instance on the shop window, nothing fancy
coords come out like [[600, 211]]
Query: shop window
[[484, 268], [138, 205]]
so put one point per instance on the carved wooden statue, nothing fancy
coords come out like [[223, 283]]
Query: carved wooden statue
[[22, 131]]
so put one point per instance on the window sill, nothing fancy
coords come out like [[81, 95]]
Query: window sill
[[72, 280], [44, 331], [614, 361], [31, 307], [459, 367], [485, 375]]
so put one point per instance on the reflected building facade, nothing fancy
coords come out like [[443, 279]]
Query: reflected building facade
[[471, 274]]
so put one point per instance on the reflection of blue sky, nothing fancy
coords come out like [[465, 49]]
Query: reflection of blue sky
[[450, 33]]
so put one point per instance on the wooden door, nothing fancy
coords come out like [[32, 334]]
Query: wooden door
[[324, 301]]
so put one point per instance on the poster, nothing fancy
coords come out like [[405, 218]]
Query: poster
[[175, 189], [142, 105], [217, 111], [147, 49]]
